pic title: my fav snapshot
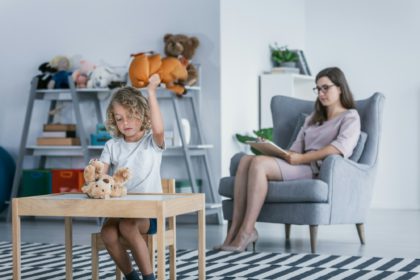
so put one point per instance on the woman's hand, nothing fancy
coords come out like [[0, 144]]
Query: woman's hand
[[294, 158]]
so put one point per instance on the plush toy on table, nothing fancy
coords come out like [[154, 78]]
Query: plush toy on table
[[183, 47], [170, 70], [103, 186], [60, 78]]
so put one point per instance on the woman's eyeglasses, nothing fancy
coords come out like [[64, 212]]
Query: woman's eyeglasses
[[323, 88]]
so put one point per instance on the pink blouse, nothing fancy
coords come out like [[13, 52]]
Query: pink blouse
[[342, 132]]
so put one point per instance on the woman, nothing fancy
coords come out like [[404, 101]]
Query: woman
[[332, 129]]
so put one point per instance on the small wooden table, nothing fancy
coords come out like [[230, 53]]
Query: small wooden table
[[68, 205]]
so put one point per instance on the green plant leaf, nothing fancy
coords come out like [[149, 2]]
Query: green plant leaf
[[244, 138], [266, 133]]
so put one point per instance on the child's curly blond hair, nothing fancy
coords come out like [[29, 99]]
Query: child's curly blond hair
[[136, 104]]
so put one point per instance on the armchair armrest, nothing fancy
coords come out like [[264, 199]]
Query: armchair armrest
[[350, 186], [234, 163]]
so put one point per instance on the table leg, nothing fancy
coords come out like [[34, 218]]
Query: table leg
[[202, 244], [161, 247], [16, 240], [68, 233]]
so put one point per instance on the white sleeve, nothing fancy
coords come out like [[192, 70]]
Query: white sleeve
[[106, 153]]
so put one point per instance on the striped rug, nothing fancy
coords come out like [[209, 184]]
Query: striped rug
[[46, 261]]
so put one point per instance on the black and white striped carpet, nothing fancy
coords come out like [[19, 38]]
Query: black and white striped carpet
[[46, 261]]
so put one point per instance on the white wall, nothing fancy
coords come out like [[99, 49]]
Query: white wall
[[34, 32], [376, 43], [247, 30]]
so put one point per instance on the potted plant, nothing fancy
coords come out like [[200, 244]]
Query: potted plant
[[266, 133], [282, 56]]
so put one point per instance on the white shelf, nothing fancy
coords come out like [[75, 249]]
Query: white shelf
[[288, 84]]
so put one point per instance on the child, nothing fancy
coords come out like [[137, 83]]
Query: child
[[137, 126]]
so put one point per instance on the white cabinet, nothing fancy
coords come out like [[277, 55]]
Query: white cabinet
[[293, 85]]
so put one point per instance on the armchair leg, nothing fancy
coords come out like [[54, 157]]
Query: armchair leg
[[361, 231], [287, 231], [313, 231]]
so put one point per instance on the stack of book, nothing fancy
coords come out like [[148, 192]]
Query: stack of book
[[58, 135]]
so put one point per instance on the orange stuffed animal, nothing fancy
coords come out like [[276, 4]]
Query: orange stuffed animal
[[170, 69]]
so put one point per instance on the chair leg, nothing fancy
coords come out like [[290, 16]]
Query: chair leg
[[361, 231], [95, 258], [118, 273], [287, 231], [151, 246], [313, 231]]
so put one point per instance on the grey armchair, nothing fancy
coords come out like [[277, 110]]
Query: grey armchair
[[342, 192]]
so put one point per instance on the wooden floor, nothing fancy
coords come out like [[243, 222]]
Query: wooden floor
[[389, 233]]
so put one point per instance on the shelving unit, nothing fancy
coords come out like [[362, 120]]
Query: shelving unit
[[293, 85], [198, 150], [86, 151], [52, 96]]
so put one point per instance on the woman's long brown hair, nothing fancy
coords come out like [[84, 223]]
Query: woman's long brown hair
[[346, 97]]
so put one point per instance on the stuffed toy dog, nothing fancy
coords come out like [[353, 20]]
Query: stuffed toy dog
[[103, 186], [101, 77], [170, 70]]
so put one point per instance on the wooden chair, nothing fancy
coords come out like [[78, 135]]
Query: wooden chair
[[168, 186]]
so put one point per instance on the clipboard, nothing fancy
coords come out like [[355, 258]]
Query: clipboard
[[268, 148]]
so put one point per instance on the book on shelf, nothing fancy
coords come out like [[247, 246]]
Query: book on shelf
[[60, 134], [56, 141], [268, 148], [302, 63], [59, 127]]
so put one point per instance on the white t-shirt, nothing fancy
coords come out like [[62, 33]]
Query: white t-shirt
[[142, 157]]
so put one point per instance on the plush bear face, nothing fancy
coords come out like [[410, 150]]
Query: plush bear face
[[101, 188], [180, 45], [100, 185]]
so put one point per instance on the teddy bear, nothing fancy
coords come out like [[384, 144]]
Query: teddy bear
[[183, 47], [101, 77], [103, 186], [60, 78], [81, 75], [170, 70], [121, 176], [46, 75]]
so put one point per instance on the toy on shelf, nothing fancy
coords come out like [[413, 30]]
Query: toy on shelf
[[102, 186], [100, 137], [47, 72], [170, 70], [60, 78], [82, 74], [183, 47], [102, 77]]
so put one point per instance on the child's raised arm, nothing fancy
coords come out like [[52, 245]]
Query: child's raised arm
[[155, 114]]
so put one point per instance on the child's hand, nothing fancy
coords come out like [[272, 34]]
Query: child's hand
[[154, 82]]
